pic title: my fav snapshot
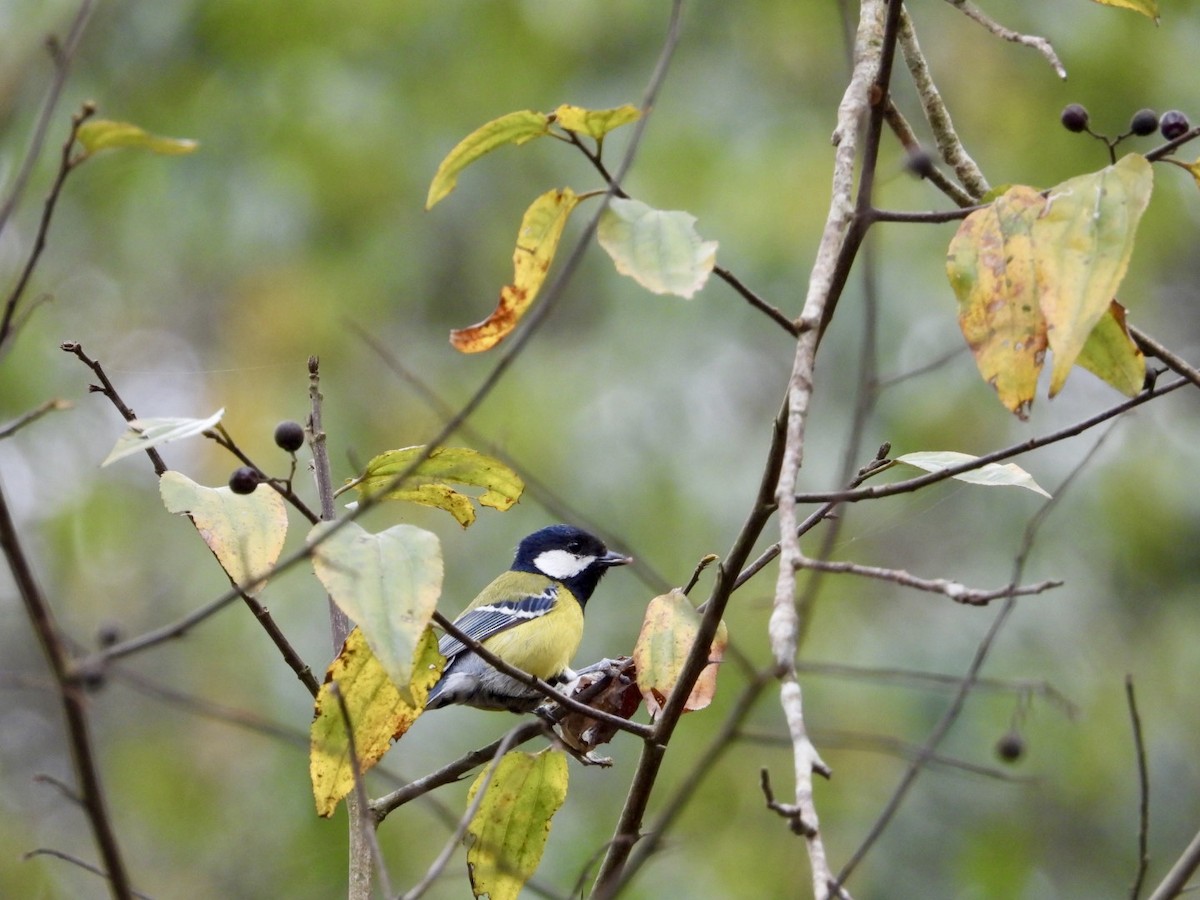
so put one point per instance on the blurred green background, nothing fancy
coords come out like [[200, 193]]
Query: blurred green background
[[206, 281]]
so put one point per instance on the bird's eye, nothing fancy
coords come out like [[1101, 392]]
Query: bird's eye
[[573, 547]]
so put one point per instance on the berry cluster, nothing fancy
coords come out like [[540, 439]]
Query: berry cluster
[[289, 436], [1145, 122]]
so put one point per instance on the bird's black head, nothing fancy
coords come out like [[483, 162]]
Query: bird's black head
[[569, 555]]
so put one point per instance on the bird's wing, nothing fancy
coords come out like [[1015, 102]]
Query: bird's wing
[[495, 616]]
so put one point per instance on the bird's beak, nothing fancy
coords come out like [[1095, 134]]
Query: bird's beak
[[614, 559]]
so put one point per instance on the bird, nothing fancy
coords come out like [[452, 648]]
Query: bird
[[530, 616]]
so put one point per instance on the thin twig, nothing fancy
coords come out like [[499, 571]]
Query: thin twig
[[908, 139], [62, 54], [439, 864], [1173, 361], [1175, 883], [955, 590], [1040, 44], [363, 821], [970, 678], [76, 861], [950, 146], [32, 416], [67, 164], [41, 618], [902, 487], [1139, 746]]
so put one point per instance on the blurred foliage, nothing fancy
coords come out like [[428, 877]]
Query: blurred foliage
[[207, 280]]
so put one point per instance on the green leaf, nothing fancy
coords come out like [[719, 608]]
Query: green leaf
[[992, 267], [245, 532], [595, 123], [660, 250], [146, 433], [95, 135], [1145, 7], [992, 474], [537, 242], [508, 833], [1084, 240], [1111, 354], [515, 128], [378, 715], [429, 484], [388, 583], [669, 630]]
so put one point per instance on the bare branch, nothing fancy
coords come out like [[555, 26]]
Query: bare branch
[[956, 591], [1040, 44], [1139, 747], [1177, 879], [949, 146], [76, 861], [32, 416], [91, 791]]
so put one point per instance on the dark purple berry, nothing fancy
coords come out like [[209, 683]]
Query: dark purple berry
[[919, 162], [1144, 122], [244, 480], [1010, 747], [1173, 124], [108, 633], [1074, 117], [289, 436]]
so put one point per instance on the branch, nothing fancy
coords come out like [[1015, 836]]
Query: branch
[[949, 146], [62, 53], [956, 591], [969, 679], [1139, 747], [76, 861], [67, 164], [1040, 44], [1176, 881], [912, 484], [91, 792], [866, 93], [904, 133], [32, 416]]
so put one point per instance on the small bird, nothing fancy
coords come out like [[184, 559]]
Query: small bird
[[531, 617]]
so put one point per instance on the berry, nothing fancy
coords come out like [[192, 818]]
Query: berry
[[289, 436], [1010, 747], [1173, 124], [244, 480], [1074, 118], [1144, 122], [108, 633], [919, 163]]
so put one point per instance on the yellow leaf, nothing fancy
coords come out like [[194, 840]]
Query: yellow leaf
[[95, 135], [388, 583], [378, 715], [428, 485], [1145, 7], [1084, 240], [515, 128], [1111, 354], [992, 268], [595, 122], [669, 630], [245, 532], [537, 241], [508, 833]]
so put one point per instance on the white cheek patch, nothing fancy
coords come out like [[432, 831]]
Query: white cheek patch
[[560, 565]]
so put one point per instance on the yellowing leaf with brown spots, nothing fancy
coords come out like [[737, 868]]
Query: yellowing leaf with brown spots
[[537, 242], [595, 122], [507, 835], [1111, 354], [992, 268], [245, 532], [378, 715], [669, 630], [430, 483], [1084, 239]]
